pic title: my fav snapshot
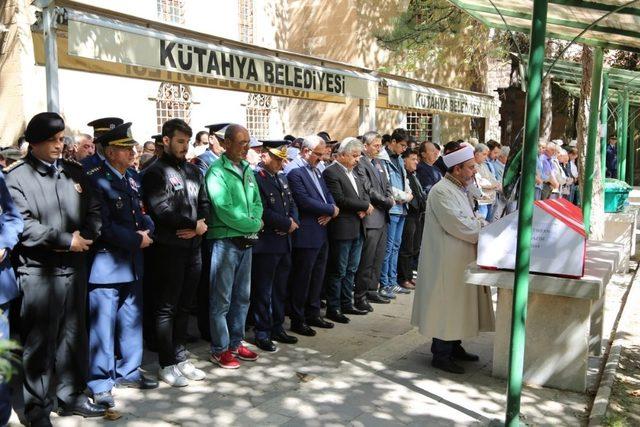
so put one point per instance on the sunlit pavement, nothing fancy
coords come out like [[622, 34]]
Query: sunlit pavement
[[374, 371]]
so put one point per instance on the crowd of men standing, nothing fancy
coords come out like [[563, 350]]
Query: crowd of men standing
[[114, 248]]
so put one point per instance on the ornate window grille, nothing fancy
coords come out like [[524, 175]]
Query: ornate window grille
[[246, 20], [258, 109], [171, 11], [420, 125], [173, 102]]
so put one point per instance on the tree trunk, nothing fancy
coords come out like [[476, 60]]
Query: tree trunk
[[582, 128], [546, 119]]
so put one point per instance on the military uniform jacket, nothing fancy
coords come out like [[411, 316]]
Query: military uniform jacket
[[175, 197], [53, 204], [118, 256], [278, 209], [10, 229]]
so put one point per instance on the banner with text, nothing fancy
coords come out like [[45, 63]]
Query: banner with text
[[424, 98], [200, 59]]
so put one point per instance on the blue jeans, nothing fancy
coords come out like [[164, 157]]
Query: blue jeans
[[115, 328], [389, 273], [230, 286], [5, 392], [345, 257]]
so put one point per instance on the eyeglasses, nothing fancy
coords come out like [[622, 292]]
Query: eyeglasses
[[319, 154]]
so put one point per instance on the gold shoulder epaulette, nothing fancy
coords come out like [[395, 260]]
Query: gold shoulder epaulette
[[13, 165]]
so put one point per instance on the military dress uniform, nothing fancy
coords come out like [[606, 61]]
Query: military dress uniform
[[272, 254], [115, 281], [100, 127], [55, 200]]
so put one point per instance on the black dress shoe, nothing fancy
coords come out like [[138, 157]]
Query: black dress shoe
[[104, 399], [84, 408], [354, 310], [337, 316], [41, 422], [363, 305], [376, 298], [447, 365], [284, 338], [303, 329], [143, 383], [459, 353], [266, 345], [319, 322]]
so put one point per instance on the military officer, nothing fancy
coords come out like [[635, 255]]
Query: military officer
[[216, 134], [11, 226], [115, 288], [62, 219], [272, 253], [100, 127]]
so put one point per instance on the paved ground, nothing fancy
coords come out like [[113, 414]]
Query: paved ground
[[374, 371]]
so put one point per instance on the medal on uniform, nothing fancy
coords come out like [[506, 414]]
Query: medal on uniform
[[78, 187], [119, 203]]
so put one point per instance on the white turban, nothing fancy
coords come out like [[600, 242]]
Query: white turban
[[461, 155]]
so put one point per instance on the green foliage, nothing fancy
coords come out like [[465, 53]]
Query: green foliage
[[434, 31], [8, 358]]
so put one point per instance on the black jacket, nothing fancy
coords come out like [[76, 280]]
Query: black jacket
[[418, 204], [53, 204], [175, 198], [347, 225]]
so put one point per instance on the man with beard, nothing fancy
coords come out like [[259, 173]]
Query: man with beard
[[444, 308], [176, 200]]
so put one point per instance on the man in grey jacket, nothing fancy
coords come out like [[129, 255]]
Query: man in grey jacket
[[373, 175]]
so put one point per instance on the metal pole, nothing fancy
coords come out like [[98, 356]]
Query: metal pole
[[619, 136], [525, 213], [51, 56], [596, 80], [604, 115], [631, 153], [625, 124]]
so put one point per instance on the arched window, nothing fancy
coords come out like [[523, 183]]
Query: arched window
[[171, 11], [258, 110], [173, 102]]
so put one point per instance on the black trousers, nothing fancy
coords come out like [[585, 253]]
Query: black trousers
[[442, 349], [149, 290], [202, 294], [178, 272], [54, 339], [306, 281], [410, 247], [269, 276], [371, 259]]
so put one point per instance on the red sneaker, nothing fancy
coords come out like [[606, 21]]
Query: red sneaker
[[243, 353], [225, 360]]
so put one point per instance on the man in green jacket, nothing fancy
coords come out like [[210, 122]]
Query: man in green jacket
[[236, 218]]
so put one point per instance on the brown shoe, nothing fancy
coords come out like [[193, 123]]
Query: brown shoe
[[408, 285]]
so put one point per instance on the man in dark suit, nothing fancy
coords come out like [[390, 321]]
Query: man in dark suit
[[11, 226], [346, 230], [115, 288], [62, 219], [271, 261], [372, 173], [316, 208], [612, 158]]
